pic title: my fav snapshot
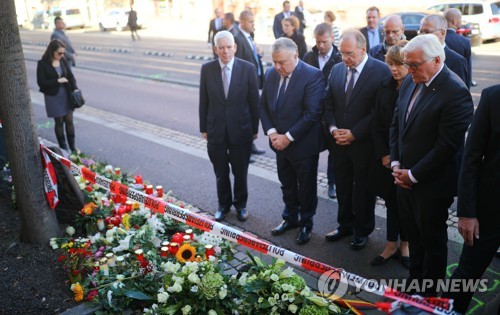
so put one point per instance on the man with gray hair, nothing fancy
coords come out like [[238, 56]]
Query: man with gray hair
[[290, 112], [432, 114], [436, 24], [229, 121], [394, 31]]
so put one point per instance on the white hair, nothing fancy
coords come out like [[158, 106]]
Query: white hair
[[223, 34], [428, 44], [284, 43]]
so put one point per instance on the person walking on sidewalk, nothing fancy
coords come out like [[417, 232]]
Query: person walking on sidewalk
[[56, 82], [229, 121], [59, 34], [132, 23]]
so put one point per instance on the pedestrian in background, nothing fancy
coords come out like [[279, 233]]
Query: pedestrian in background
[[59, 34], [277, 27], [56, 82], [299, 13], [229, 121], [330, 18], [290, 112], [132, 23], [372, 32], [290, 30], [381, 178], [216, 25], [394, 31]]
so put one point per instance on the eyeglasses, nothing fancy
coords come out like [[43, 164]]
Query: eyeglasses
[[424, 32], [347, 54], [414, 66]]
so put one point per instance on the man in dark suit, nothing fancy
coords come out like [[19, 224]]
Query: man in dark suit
[[394, 31], [324, 56], [229, 23], [478, 212], [433, 112], [277, 28], [216, 25], [372, 32], [436, 24], [349, 101], [229, 121], [458, 43], [299, 13], [290, 112]]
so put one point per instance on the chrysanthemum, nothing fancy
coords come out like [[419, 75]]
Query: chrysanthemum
[[186, 253]]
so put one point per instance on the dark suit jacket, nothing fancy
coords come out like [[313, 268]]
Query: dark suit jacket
[[212, 30], [429, 142], [378, 52], [357, 114], [479, 182], [301, 111], [311, 58], [245, 51], [238, 114], [364, 31], [277, 27], [46, 77], [457, 64], [461, 45]]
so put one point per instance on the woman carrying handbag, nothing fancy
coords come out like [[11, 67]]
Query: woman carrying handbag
[[56, 82]]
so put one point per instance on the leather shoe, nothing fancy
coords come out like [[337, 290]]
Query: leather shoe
[[358, 242], [379, 260], [332, 193], [221, 214], [405, 261], [337, 235], [304, 235], [242, 214], [256, 150], [283, 227]]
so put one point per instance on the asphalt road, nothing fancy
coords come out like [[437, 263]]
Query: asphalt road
[[127, 113]]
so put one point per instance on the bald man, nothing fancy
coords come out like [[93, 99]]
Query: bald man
[[394, 31], [460, 44]]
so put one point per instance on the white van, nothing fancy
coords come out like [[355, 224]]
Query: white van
[[71, 17]]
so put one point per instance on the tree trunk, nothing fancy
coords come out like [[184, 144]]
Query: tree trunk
[[39, 222]]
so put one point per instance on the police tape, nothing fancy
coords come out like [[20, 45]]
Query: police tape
[[207, 225]]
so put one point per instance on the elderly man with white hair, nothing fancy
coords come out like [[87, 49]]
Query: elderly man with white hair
[[433, 112]]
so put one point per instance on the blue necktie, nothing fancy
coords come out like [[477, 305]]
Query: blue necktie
[[281, 95], [255, 56]]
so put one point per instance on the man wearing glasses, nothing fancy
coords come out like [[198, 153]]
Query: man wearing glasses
[[433, 112], [394, 31], [436, 24], [348, 105]]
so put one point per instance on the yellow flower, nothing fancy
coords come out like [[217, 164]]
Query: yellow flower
[[88, 208], [186, 253], [136, 206], [126, 221], [78, 291]]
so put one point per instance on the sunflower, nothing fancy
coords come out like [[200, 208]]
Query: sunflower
[[186, 253]]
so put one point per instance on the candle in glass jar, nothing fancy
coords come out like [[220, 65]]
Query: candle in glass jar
[[100, 224], [164, 251], [111, 259], [190, 233], [159, 191], [149, 189], [138, 179], [173, 248], [186, 239], [209, 250], [118, 171], [165, 244], [96, 266], [120, 261], [128, 206], [103, 266]]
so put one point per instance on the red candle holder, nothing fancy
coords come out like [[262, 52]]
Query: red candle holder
[[177, 238], [209, 251], [159, 191], [164, 251], [128, 206], [149, 189], [138, 179], [165, 244], [173, 248], [118, 171], [190, 233]]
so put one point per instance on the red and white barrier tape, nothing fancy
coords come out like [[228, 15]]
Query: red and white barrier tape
[[49, 179], [205, 224]]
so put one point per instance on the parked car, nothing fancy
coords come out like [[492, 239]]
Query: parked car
[[485, 13], [116, 19], [72, 17], [471, 31], [41, 20], [411, 21]]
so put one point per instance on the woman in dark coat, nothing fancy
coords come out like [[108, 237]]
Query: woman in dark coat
[[56, 82], [290, 27], [381, 174]]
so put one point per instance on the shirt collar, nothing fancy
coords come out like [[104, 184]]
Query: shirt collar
[[290, 75], [229, 64], [432, 79], [328, 54], [360, 67], [244, 33]]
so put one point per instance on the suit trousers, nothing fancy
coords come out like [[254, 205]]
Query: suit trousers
[[424, 222], [356, 201], [238, 156], [299, 186], [473, 263]]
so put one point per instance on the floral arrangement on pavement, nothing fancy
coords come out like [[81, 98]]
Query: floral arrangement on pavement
[[123, 256]]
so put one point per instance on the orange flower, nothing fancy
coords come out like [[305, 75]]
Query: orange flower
[[78, 291], [88, 208]]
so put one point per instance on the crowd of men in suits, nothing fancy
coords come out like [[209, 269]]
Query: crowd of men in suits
[[327, 102]]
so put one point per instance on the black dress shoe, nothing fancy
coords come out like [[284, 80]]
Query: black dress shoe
[[379, 260], [405, 261], [358, 242], [221, 214], [283, 227], [256, 150], [337, 235], [332, 193], [252, 160], [304, 235], [242, 214]]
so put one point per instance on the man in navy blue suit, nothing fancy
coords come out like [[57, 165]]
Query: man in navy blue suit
[[436, 24], [458, 43], [433, 112], [229, 121], [277, 28], [349, 102], [290, 112]]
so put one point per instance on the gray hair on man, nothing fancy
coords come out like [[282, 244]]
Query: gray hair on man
[[428, 44], [437, 20], [356, 35], [284, 43], [223, 34], [322, 29]]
